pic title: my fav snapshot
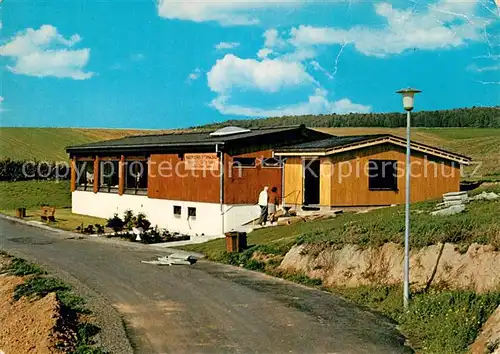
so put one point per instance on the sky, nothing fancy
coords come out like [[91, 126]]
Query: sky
[[171, 64]]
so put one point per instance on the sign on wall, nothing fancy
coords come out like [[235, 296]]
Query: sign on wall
[[206, 162]]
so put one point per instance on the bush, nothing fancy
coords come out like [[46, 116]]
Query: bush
[[115, 223]]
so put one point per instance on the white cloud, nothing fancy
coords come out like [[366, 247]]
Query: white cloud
[[227, 45], [264, 53], [317, 103], [45, 52], [447, 24], [226, 12], [195, 75], [480, 69], [1, 99], [267, 75]]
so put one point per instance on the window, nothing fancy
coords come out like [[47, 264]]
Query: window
[[108, 176], [84, 175], [191, 212], [244, 162], [136, 176], [177, 210], [271, 162], [382, 175]]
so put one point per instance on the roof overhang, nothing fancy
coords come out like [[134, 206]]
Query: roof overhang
[[391, 139]]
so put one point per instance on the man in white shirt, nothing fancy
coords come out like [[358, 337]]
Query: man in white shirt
[[263, 200]]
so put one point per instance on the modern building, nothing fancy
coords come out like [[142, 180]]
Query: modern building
[[367, 170], [192, 183], [208, 183]]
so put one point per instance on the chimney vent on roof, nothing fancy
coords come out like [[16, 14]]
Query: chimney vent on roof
[[232, 130]]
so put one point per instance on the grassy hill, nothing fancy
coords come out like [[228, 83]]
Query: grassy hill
[[50, 143], [482, 144]]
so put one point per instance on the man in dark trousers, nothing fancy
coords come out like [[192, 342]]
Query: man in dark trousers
[[263, 200]]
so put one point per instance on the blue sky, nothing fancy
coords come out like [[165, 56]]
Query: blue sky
[[167, 64]]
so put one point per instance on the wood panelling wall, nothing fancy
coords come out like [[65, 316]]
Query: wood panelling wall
[[430, 178], [179, 183], [325, 181], [243, 185], [293, 181]]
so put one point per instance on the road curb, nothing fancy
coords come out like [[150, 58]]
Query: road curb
[[71, 234]]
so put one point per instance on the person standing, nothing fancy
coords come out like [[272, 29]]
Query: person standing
[[274, 202], [263, 200]]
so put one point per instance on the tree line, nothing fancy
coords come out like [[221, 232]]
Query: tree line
[[475, 117], [15, 170]]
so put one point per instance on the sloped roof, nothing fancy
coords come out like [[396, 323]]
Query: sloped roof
[[184, 139], [337, 144]]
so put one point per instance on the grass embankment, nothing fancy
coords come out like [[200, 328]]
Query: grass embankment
[[479, 224], [73, 317], [438, 321], [33, 194]]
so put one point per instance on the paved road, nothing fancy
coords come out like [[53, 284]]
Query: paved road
[[207, 307]]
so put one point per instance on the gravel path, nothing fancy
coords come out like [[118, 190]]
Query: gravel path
[[204, 308]]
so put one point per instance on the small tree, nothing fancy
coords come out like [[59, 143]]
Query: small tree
[[129, 219]]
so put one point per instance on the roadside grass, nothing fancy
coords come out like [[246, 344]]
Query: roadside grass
[[437, 322], [38, 284], [65, 219], [478, 224], [32, 194], [20, 267]]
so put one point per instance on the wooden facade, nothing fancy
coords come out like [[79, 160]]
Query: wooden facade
[[170, 178], [242, 185], [344, 177]]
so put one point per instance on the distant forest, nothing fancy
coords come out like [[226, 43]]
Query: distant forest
[[476, 117]]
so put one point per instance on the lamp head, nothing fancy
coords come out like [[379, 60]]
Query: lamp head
[[408, 97]]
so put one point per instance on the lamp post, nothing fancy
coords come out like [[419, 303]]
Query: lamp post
[[408, 101]]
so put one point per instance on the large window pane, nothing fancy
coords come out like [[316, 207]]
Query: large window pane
[[109, 176], [84, 175], [383, 175]]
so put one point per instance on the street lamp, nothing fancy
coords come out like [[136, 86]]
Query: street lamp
[[408, 101]]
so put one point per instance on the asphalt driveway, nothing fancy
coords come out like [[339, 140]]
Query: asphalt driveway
[[206, 307]]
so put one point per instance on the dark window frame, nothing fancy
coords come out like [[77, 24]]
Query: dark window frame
[[244, 162], [382, 175], [177, 210], [277, 164], [191, 212]]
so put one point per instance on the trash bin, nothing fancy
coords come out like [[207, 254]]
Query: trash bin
[[236, 241], [20, 213]]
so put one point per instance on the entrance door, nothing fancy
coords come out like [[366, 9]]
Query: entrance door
[[311, 182]]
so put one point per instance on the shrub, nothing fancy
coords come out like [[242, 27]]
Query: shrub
[[142, 222], [115, 223]]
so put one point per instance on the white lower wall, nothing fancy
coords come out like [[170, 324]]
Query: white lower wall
[[236, 215], [208, 220]]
